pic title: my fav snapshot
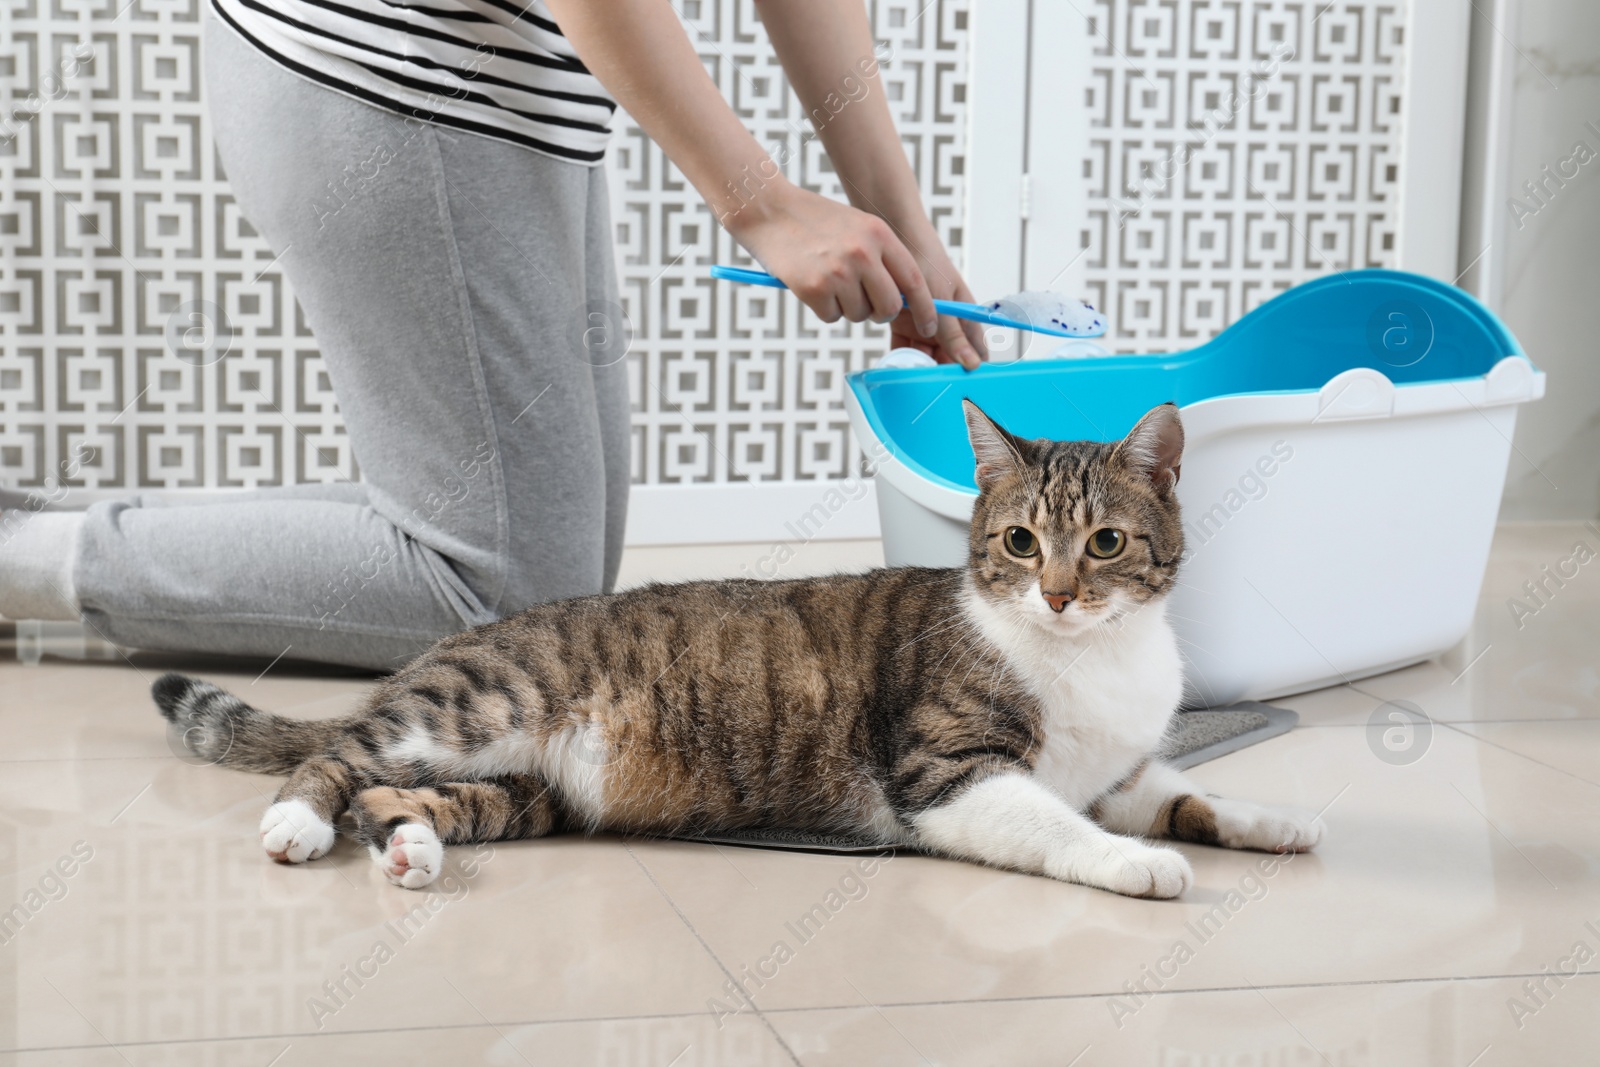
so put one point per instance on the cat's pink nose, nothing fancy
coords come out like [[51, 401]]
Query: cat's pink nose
[[1058, 601]]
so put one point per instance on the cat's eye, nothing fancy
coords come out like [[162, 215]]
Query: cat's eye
[[1021, 542], [1107, 543]]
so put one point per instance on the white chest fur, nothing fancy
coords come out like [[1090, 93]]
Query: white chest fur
[[1108, 694]]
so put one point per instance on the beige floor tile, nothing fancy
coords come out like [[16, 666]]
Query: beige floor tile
[[1449, 866], [1452, 1024], [61, 709], [1571, 747], [1439, 691], [1515, 666], [637, 1042], [1338, 705], [1501, 686], [1533, 649], [172, 925]]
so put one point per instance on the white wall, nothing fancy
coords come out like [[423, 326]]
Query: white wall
[[1548, 253], [767, 560]]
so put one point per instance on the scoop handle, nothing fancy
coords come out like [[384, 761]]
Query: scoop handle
[[956, 309]]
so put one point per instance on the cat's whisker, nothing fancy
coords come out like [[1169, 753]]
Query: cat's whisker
[[1175, 615], [1186, 585], [1193, 680], [1185, 642], [971, 647], [957, 620]]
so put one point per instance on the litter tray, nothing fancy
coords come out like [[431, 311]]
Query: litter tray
[[1347, 444]]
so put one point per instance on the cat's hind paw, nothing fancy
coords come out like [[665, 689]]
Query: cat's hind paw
[[413, 856], [1135, 869], [292, 832], [1242, 824]]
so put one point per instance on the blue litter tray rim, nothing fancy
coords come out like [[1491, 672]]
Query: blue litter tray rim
[[862, 382]]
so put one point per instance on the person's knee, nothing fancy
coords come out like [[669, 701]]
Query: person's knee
[[559, 574]]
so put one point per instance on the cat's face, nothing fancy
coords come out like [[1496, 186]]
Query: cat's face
[[1069, 535]]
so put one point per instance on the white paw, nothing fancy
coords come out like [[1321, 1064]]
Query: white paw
[[1135, 869], [1241, 824], [413, 856], [292, 833]]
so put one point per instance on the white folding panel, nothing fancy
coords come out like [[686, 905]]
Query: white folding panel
[[1187, 159]]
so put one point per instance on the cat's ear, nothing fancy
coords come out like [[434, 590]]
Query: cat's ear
[[1154, 447], [997, 452]]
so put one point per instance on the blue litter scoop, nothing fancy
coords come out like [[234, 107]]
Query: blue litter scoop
[[1073, 319]]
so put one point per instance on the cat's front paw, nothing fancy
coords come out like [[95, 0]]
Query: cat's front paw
[[1135, 869], [292, 833], [413, 856], [1241, 824]]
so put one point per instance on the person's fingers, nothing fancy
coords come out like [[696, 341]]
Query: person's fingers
[[854, 301], [903, 334], [953, 339], [883, 293], [973, 330], [823, 287], [909, 280], [825, 306], [975, 334]]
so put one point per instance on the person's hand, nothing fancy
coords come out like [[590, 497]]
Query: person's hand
[[957, 340], [840, 262]]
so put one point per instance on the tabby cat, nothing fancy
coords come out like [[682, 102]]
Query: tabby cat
[[1009, 712]]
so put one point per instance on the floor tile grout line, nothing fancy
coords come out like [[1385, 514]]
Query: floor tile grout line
[[315, 1034], [1352, 984], [954, 1002], [1513, 752], [1299, 1032], [673, 904]]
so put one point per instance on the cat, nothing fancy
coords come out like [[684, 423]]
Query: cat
[[1010, 712]]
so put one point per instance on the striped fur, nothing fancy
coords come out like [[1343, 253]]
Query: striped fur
[[963, 711]]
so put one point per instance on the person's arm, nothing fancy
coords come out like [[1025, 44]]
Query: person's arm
[[839, 260], [826, 48]]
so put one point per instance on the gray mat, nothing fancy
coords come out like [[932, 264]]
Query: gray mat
[[1205, 734], [792, 841], [1196, 737]]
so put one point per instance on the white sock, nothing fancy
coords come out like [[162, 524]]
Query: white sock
[[37, 549]]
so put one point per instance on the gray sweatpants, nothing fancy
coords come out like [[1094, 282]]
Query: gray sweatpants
[[463, 296]]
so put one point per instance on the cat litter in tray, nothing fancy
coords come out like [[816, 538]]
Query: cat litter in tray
[[1347, 442]]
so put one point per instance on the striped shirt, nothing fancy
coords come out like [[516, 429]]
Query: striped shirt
[[500, 68]]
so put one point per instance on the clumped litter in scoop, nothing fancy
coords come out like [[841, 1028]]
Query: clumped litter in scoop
[[1043, 308]]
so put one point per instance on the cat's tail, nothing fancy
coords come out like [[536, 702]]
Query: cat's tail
[[210, 726]]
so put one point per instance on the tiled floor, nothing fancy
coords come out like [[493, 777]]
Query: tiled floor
[[1458, 882]]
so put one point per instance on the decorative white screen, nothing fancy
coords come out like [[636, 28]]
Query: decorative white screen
[[121, 245], [1235, 149], [116, 226]]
